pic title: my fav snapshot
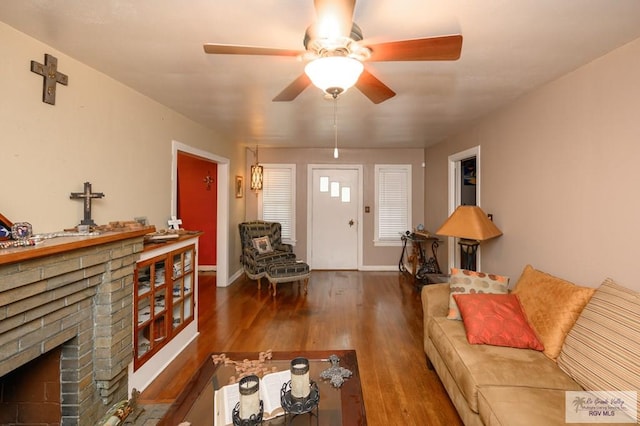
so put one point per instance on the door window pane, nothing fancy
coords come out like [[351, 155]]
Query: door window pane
[[335, 189], [324, 183], [346, 194]]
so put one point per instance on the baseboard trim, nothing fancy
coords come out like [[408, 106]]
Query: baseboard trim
[[378, 268]]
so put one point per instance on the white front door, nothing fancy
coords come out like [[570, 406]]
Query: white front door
[[334, 217]]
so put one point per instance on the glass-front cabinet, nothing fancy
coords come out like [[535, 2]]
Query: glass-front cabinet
[[164, 300]]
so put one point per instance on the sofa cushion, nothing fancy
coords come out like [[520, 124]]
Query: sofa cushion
[[602, 351], [521, 406], [552, 306], [496, 319], [471, 282], [473, 366]]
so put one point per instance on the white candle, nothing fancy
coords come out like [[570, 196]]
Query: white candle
[[249, 396], [300, 378]]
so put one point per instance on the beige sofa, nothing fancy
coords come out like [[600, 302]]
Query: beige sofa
[[496, 385]]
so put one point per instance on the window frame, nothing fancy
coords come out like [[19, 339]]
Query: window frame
[[379, 170], [290, 169]]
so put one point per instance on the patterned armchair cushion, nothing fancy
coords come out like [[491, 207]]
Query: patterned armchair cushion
[[252, 260]]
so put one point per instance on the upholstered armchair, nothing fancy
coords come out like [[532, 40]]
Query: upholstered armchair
[[262, 244]]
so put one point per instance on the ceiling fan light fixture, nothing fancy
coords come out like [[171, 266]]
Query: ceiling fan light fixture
[[334, 74]]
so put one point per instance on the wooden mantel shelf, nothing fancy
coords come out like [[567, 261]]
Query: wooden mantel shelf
[[63, 244]]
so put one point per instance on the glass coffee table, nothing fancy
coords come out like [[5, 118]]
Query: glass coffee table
[[337, 406]]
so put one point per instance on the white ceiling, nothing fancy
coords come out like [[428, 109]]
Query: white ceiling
[[155, 47]]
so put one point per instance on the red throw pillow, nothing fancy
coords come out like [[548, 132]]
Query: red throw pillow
[[496, 319]]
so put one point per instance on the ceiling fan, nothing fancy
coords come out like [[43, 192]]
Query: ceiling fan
[[335, 50]]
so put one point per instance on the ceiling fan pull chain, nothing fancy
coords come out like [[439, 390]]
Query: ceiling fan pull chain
[[335, 126]]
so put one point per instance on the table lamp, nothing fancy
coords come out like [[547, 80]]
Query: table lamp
[[471, 225]]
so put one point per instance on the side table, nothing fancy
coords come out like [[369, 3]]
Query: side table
[[414, 260]]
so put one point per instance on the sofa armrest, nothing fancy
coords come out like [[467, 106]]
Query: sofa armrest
[[435, 300]]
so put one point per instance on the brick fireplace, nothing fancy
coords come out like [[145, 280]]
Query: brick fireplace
[[72, 295]]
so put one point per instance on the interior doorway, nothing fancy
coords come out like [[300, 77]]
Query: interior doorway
[[222, 204], [335, 217], [197, 203], [464, 189]]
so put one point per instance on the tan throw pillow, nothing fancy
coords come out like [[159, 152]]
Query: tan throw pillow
[[552, 306], [262, 244], [472, 282]]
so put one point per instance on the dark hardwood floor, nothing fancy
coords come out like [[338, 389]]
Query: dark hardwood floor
[[378, 314]]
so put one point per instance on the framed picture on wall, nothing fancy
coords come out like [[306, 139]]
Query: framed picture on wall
[[5, 228], [239, 186]]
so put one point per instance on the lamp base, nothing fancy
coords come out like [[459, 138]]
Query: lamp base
[[469, 249]]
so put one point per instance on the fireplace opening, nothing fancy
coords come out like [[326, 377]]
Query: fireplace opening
[[30, 394]]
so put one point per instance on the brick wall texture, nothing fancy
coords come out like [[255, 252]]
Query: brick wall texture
[[81, 301]]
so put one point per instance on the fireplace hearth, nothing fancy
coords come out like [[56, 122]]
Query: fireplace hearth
[[72, 298]]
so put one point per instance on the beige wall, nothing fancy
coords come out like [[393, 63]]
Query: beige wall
[[373, 257], [559, 171], [99, 131]]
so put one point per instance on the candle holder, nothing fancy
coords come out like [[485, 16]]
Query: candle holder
[[254, 420], [300, 377], [249, 411], [293, 405]]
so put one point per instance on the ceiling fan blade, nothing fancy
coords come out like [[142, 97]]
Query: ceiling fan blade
[[233, 49], [446, 48], [373, 88], [335, 17], [294, 89]]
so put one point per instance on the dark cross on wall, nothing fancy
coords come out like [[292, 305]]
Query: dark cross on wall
[[208, 180], [87, 195], [51, 76]]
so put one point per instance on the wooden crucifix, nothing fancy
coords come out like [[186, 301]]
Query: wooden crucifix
[[51, 76], [87, 195]]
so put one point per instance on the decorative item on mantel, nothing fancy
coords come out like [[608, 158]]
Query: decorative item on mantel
[[24, 229], [20, 232], [174, 222], [5, 228], [87, 195]]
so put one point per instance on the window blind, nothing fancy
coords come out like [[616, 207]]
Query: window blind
[[393, 201], [278, 198]]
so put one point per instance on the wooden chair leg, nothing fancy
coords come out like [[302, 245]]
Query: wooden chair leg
[[274, 288], [306, 284]]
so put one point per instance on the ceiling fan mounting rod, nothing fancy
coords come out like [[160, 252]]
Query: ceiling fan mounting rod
[[310, 35], [337, 46], [340, 51]]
